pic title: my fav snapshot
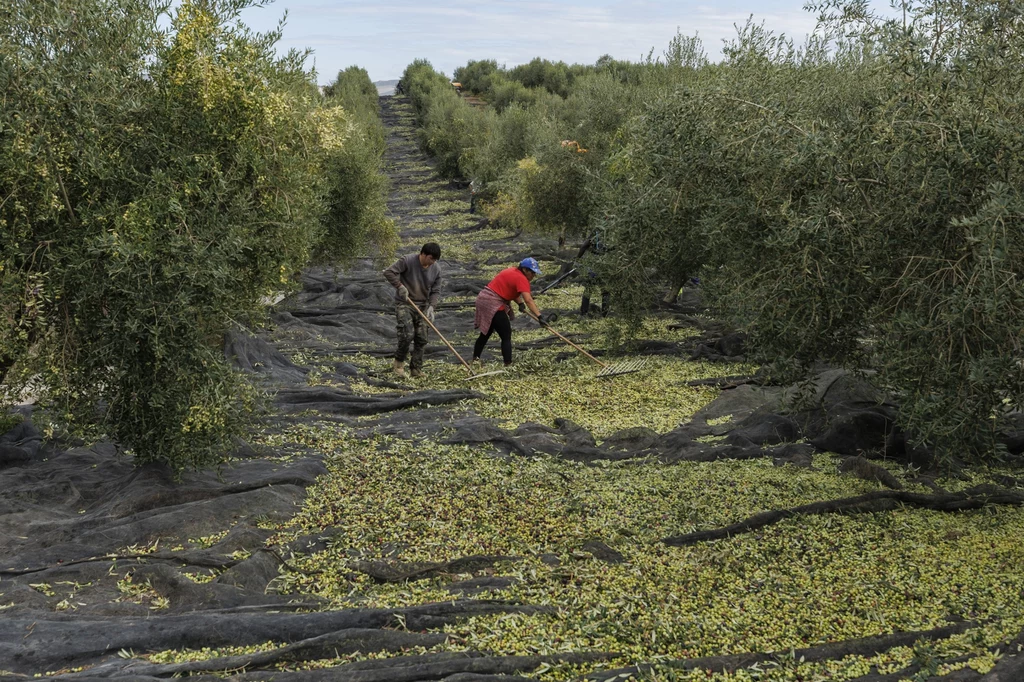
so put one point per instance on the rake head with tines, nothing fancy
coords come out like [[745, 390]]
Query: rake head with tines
[[606, 370], [624, 367]]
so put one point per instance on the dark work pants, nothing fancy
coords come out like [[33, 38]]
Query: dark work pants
[[590, 286], [585, 303], [501, 324], [412, 331]]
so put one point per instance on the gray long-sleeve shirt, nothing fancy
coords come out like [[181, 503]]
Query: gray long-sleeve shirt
[[424, 285]]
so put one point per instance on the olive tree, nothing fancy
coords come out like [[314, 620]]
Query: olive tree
[[357, 215], [156, 183], [855, 199]]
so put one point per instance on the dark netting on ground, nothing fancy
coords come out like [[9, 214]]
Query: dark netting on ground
[[100, 558], [102, 561]]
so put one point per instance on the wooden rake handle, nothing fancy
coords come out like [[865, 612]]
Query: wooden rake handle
[[450, 346], [552, 330]]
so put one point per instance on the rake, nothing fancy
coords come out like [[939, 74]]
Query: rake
[[619, 368], [465, 364], [557, 281]]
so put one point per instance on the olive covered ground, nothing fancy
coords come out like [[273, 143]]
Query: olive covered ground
[[585, 539]]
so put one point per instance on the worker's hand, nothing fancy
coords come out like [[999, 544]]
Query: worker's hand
[[522, 307], [429, 312], [545, 319], [403, 293]]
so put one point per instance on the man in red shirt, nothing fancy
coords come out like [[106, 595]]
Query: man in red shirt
[[494, 310]]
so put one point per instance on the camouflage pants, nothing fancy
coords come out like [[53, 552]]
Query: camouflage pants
[[412, 331]]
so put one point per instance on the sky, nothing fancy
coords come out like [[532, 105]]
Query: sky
[[384, 37]]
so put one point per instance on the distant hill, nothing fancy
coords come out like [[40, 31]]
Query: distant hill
[[386, 87]]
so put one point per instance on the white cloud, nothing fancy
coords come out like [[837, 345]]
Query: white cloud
[[385, 37]]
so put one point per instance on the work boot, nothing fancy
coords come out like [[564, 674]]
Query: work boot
[[399, 368], [417, 373]]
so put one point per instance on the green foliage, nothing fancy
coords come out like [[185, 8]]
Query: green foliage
[[353, 89], [534, 181], [537, 152], [357, 186], [555, 77], [476, 76], [157, 183], [8, 422], [419, 82], [505, 93], [509, 138], [450, 130], [857, 203], [549, 190], [856, 199]]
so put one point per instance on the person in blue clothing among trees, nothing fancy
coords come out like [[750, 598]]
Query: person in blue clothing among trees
[[593, 283]]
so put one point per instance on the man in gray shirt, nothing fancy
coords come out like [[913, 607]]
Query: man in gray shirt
[[416, 278]]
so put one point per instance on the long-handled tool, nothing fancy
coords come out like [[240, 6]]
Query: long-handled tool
[[557, 281], [451, 347], [624, 367]]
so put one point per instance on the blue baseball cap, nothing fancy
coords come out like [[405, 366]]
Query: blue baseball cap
[[530, 264]]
